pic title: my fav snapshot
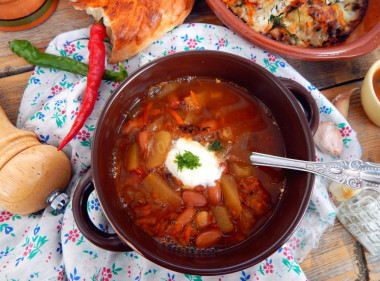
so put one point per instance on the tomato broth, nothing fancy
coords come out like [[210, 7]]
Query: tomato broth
[[224, 124]]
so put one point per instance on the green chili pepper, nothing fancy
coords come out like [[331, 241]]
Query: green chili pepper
[[31, 54]]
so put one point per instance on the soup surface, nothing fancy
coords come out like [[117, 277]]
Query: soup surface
[[303, 23], [182, 166]]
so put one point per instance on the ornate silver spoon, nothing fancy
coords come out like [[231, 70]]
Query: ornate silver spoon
[[355, 174]]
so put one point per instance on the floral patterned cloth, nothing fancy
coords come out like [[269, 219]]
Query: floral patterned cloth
[[49, 246]]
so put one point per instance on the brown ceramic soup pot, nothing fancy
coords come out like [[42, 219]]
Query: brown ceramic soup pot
[[298, 143], [363, 39]]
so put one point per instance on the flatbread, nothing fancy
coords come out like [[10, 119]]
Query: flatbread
[[132, 25]]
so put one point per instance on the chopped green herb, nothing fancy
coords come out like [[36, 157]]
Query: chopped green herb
[[310, 2], [298, 12], [276, 21], [291, 35], [216, 145], [187, 160]]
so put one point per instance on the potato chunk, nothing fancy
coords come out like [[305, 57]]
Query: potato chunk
[[223, 219], [132, 157], [159, 150], [162, 191], [247, 221], [241, 169], [231, 195]]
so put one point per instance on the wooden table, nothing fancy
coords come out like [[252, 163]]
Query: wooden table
[[339, 256]]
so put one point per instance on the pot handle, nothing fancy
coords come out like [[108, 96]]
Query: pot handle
[[107, 241], [306, 101]]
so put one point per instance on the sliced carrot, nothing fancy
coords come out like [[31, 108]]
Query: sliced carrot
[[250, 183], [341, 20], [175, 228], [250, 6], [162, 228], [176, 116], [155, 111], [250, 21], [138, 171], [146, 113], [147, 220], [231, 2], [174, 101], [186, 234], [194, 98], [183, 219], [145, 210], [131, 125], [143, 138]]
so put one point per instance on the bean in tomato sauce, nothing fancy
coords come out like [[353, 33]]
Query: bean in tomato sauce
[[183, 169]]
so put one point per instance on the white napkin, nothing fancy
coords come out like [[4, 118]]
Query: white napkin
[[48, 246]]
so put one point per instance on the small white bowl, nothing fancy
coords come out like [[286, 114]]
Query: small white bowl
[[370, 102]]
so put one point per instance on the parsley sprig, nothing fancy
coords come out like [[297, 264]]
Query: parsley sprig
[[216, 145], [187, 160], [276, 21]]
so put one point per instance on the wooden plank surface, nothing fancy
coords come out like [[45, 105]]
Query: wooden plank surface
[[326, 74], [64, 19], [11, 90], [373, 263], [338, 256]]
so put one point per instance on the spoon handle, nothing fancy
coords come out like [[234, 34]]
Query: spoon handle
[[355, 174]]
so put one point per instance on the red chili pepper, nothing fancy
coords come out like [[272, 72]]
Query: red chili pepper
[[94, 77]]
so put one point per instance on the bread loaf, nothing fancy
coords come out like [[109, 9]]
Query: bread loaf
[[132, 25]]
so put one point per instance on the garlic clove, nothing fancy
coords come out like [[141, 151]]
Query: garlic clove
[[329, 139], [342, 102], [341, 191]]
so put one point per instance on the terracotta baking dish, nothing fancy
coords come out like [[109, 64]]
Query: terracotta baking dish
[[364, 39], [298, 143]]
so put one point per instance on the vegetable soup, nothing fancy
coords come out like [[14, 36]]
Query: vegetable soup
[[182, 168]]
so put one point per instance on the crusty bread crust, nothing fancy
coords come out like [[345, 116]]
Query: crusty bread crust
[[132, 25]]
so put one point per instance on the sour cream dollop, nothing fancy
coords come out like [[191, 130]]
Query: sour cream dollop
[[205, 175]]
